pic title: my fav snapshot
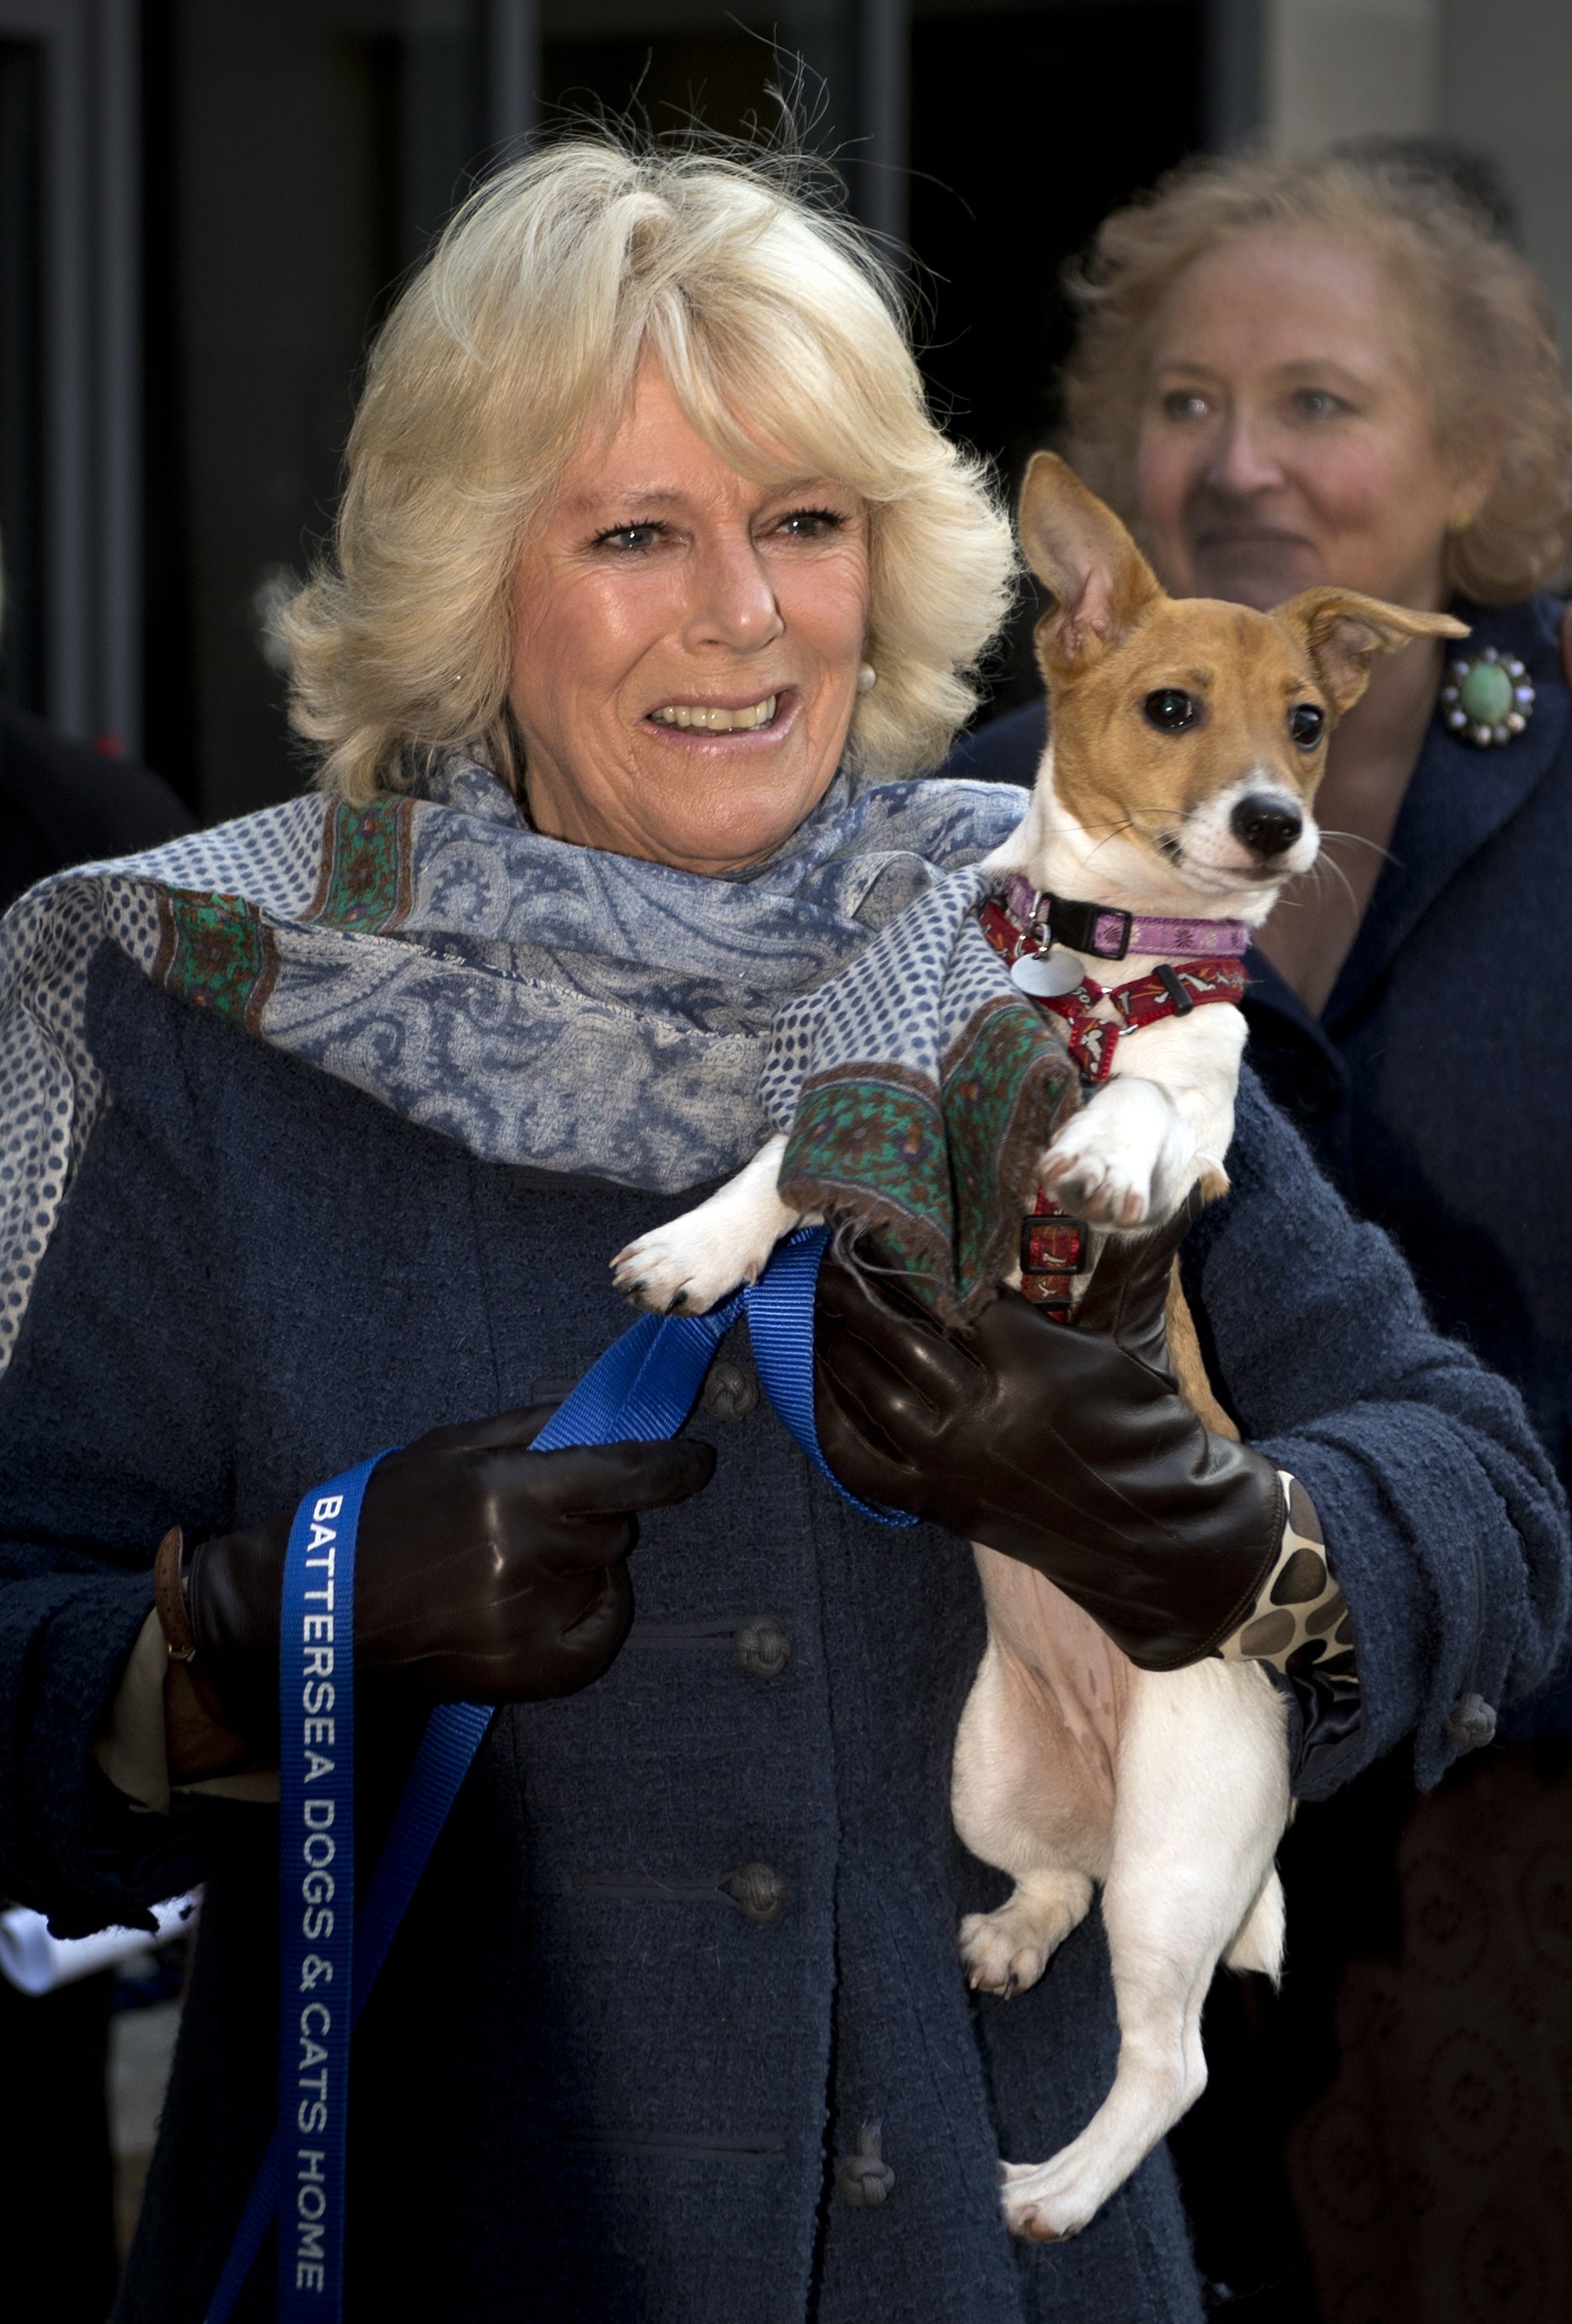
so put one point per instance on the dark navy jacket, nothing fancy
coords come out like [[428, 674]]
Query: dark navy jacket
[[1437, 1089], [589, 2087]]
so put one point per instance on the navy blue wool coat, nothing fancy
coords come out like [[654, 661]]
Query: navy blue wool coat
[[589, 2086]]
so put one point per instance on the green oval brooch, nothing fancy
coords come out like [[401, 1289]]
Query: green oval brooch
[[1487, 698]]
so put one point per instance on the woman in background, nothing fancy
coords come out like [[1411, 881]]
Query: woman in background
[[1291, 372]]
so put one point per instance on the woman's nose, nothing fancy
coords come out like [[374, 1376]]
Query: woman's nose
[[733, 602], [1243, 457]]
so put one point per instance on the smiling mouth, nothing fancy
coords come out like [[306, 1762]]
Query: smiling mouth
[[712, 720]]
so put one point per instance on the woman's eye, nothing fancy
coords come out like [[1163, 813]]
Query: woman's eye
[[1306, 723], [625, 537], [810, 524], [1171, 709], [1317, 403], [1185, 403]]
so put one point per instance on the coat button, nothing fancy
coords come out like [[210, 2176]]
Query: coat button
[[758, 1890], [730, 1392], [864, 2179], [1471, 1721], [762, 1647]]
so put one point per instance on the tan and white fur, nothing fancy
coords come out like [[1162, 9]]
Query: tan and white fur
[[1073, 1768]]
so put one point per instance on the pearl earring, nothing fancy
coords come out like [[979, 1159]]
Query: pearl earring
[[867, 678]]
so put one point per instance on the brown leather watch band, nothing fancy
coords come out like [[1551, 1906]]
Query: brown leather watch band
[[168, 1597], [201, 1741]]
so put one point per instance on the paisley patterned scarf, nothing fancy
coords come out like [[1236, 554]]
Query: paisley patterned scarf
[[552, 1005]]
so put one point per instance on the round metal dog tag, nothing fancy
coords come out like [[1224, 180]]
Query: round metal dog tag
[[1048, 973]]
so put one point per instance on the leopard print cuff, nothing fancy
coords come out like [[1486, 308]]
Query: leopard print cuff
[[1300, 1622]]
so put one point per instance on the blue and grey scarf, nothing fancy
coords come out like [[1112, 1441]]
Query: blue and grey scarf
[[553, 1005]]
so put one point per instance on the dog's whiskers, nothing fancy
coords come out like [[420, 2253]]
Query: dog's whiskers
[[1337, 873], [1357, 839], [1117, 831], [1322, 868], [1108, 836]]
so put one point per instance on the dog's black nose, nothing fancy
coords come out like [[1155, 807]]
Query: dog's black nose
[[1267, 827]]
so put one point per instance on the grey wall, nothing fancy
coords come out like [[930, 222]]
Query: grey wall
[[1494, 73], [1506, 82]]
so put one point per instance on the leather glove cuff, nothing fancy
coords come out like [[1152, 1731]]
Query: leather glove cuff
[[1168, 1587]]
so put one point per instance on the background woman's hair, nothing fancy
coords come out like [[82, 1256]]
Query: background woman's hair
[[1485, 321], [775, 323]]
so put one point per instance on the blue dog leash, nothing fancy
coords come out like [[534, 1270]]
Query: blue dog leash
[[641, 1389]]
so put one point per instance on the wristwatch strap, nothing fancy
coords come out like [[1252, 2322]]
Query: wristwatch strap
[[169, 1596]]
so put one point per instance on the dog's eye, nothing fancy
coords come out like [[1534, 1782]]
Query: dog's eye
[[1305, 724], [1172, 709]]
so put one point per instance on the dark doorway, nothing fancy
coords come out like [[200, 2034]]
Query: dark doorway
[[667, 63], [298, 158], [1027, 125]]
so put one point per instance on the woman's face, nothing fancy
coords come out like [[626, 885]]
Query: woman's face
[[685, 645], [1287, 437]]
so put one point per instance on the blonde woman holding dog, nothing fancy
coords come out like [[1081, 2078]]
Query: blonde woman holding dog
[[654, 592], [1340, 371]]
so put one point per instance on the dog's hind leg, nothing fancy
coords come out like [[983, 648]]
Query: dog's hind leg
[[1032, 1788], [1202, 1802], [1160, 1986]]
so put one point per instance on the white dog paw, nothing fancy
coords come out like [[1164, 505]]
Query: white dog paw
[[683, 1269], [1123, 1159], [1100, 1188], [1006, 1950], [1000, 1955], [1040, 2204]]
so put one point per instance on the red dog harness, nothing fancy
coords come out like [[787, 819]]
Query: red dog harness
[[1172, 989], [1053, 1245]]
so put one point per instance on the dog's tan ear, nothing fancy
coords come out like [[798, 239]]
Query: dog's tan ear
[[1343, 632], [1084, 557]]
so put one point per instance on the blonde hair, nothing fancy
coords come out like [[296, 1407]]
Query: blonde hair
[[1483, 316], [773, 321]]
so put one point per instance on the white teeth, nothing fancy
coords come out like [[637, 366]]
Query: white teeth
[[717, 722]]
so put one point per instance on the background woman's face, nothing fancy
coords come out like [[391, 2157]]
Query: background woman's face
[[663, 595], [1287, 437]]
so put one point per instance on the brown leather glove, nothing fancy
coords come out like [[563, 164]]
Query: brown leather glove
[[1067, 1446], [483, 1572]]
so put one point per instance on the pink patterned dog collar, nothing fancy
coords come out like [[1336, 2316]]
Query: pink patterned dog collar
[[1108, 934]]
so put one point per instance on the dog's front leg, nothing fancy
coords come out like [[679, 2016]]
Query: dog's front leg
[[683, 1268], [1164, 1116]]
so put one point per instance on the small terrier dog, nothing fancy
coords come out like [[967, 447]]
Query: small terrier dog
[[1187, 739]]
